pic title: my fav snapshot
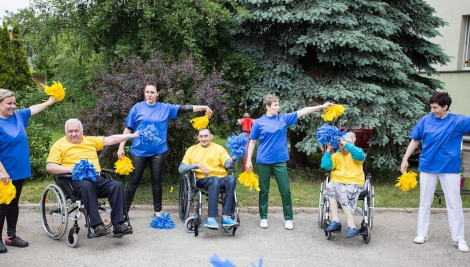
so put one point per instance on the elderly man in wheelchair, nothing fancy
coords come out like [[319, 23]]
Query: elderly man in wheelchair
[[209, 161], [346, 182], [72, 148]]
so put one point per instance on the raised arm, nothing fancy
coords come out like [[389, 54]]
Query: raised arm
[[118, 138], [35, 109], [309, 110], [411, 148], [201, 108]]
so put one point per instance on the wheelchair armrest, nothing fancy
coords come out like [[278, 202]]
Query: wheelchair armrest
[[103, 170], [62, 175]]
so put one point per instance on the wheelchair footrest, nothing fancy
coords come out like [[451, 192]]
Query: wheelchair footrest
[[93, 235]]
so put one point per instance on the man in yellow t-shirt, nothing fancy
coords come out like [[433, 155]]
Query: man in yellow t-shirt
[[72, 148], [209, 161]]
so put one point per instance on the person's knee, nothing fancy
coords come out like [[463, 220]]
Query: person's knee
[[231, 180]]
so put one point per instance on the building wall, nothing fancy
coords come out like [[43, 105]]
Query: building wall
[[455, 75]]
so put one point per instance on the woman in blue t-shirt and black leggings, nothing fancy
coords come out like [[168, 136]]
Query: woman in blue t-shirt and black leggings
[[151, 114], [272, 154], [14, 159], [441, 135]]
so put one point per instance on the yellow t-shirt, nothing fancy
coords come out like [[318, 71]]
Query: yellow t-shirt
[[212, 157], [67, 154], [346, 170]]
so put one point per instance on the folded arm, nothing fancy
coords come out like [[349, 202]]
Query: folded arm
[[55, 168]]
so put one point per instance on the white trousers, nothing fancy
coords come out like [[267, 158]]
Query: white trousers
[[450, 183]]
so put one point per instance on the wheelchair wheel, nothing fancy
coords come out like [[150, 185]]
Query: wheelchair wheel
[[189, 224], [325, 225], [371, 207], [54, 211], [321, 207], [366, 235], [105, 212], [72, 238], [184, 203]]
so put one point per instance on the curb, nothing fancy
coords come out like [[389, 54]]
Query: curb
[[254, 210]]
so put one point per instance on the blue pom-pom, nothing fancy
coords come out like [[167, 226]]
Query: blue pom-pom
[[149, 135], [237, 145], [84, 170], [217, 262], [163, 222], [329, 134]]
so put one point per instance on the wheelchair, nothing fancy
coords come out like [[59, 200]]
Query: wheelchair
[[58, 206], [366, 210], [192, 198]]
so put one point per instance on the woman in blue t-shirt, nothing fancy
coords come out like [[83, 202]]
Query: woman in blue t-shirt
[[151, 116], [272, 154], [441, 135], [14, 159]]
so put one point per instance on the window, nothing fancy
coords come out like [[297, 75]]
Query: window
[[466, 48]]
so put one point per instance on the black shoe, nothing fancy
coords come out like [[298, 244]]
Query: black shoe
[[122, 229], [99, 230], [3, 249], [16, 242]]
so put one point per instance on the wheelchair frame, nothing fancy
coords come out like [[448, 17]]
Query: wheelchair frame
[[192, 197], [367, 212], [58, 205]]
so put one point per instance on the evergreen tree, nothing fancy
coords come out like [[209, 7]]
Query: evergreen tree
[[362, 54], [22, 77], [6, 58]]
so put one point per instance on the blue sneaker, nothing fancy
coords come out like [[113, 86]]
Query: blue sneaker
[[334, 226], [229, 222], [211, 224], [352, 232]]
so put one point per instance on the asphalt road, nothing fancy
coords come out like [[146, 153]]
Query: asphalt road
[[391, 243]]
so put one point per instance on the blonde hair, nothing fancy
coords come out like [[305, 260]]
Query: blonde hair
[[5, 93], [350, 137], [268, 100]]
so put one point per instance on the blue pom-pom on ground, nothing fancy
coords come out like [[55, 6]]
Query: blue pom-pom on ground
[[163, 222]]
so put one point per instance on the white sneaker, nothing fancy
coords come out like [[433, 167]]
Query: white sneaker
[[462, 244], [289, 225], [263, 223], [420, 239]]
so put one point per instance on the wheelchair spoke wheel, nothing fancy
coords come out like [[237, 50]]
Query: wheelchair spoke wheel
[[321, 207], [371, 207], [105, 212], [54, 212], [184, 203]]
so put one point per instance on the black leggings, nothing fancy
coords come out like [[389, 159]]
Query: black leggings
[[11, 211], [156, 163]]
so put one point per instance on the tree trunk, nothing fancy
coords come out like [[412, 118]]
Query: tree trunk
[[297, 157]]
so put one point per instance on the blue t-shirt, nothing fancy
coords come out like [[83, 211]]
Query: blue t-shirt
[[272, 135], [441, 141], [14, 150], [141, 116]]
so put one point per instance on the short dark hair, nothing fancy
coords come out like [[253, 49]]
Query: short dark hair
[[152, 84], [441, 98]]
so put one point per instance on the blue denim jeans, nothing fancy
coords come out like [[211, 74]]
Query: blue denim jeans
[[214, 185]]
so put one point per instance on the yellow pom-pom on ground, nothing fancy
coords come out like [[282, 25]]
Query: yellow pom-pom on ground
[[333, 112], [249, 179], [56, 90], [123, 166], [7, 192], [407, 181], [200, 122]]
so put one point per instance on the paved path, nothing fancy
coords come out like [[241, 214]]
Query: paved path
[[391, 244]]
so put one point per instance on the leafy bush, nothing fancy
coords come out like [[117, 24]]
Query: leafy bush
[[39, 139], [181, 83]]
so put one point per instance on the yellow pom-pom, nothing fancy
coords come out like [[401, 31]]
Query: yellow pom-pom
[[200, 122], [56, 90], [123, 166], [7, 192], [333, 112], [249, 179], [407, 181]]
